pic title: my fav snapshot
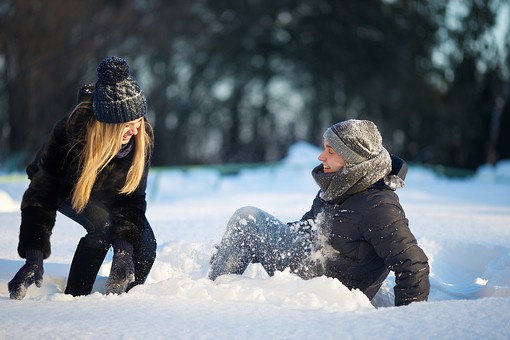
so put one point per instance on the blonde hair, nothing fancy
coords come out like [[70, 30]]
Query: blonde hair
[[102, 142]]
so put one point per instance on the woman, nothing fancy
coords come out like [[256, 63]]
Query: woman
[[93, 169], [356, 230]]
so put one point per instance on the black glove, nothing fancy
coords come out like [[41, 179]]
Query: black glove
[[31, 272], [123, 268]]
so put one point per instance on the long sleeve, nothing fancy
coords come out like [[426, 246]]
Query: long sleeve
[[388, 231], [40, 200], [129, 215], [129, 210]]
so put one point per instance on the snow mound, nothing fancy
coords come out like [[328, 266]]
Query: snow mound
[[283, 289], [495, 173]]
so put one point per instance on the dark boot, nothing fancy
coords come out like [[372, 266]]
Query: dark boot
[[86, 263]]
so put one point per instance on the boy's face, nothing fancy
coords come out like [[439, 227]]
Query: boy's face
[[331, 161]]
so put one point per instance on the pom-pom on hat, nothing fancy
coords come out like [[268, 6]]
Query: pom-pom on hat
[[355, 140], [117, 97]]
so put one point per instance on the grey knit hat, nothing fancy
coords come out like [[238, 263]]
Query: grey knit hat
[[354, 140], [117, 97]]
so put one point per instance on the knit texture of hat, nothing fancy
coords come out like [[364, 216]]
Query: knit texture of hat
[[354, 140], [117, 97]]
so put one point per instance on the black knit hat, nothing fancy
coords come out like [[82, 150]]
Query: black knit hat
[[355, 140], [117, 96]]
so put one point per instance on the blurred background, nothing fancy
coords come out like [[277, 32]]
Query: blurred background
[[240, 81]]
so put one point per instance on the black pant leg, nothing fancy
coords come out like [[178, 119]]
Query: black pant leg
[[144, 255]]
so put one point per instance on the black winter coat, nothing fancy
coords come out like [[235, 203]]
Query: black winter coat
[[369, 235], [53, 174]]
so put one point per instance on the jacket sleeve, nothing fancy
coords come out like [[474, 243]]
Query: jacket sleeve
[[40, 200], [128, 213], [388, 231]]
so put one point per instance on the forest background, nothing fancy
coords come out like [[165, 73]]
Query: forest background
[[240, 81]]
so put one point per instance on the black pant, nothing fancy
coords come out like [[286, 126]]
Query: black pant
[[92, 248]]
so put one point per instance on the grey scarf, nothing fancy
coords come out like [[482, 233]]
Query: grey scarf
[[352, 178]]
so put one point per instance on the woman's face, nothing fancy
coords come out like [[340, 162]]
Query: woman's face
[[131, 129], [331, 161]]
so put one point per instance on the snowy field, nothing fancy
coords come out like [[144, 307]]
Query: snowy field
[[462, 224]]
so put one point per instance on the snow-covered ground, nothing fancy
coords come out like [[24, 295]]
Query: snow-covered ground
[[462, 224]]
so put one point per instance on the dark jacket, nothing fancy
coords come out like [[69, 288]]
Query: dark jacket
[[53, 174], [370, 236]]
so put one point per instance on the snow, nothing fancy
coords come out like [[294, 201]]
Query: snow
[[462, 224]]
